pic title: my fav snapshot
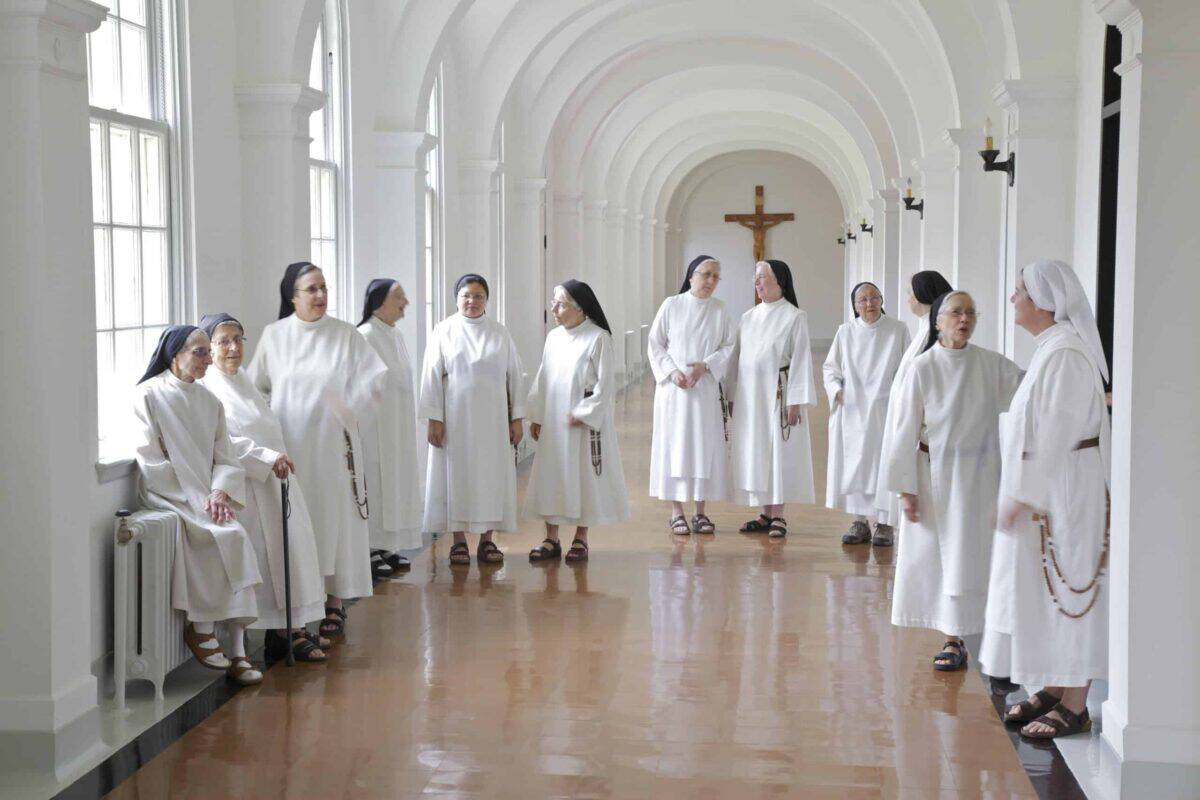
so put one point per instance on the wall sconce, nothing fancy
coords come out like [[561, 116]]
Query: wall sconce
[[989, 154], [850, 237], [867, 228], [909, 205], [841, 241]]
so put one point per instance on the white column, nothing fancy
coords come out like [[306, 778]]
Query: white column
[[977, 234], [878, 238], [526, 270], [273, 127], [646, 269], [399, 177], [618, 294], [1040, 119], [659, 267], [48, 718], [910, 252], [591, 264], [565, 238], [937, 232], [475, 226], [849, 271], [1153, 709], [887, 229]]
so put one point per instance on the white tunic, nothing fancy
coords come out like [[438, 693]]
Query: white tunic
[[887, 504], [1060, 403], [321, 378], [688, 454], [258, 442], [951, 400], [564, 488], [184, 456], [768, 469], [862, 364], [390, 441], [471, 376]]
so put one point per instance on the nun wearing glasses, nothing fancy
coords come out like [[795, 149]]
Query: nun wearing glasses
[[577, 480]]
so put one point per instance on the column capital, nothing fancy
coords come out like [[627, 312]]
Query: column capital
[[963, 140], [531, 184], [940, 161], [276, 109], [32, 34], [890, 196], [402, 148], [476, 165], [1115, 12]]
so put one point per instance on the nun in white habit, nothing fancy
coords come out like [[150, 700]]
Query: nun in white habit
[[390, 435], [859, 370], [258, 442], [472, 394], [1047, 615], [188, 465], [770, 378], [577, 478], [924, 288], [321, 378], [944, 461], [691, 341]]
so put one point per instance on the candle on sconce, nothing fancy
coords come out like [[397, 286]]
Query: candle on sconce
[[987, 134], [908, 187]]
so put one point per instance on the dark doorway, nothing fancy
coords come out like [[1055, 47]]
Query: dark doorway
[[1110, 147]]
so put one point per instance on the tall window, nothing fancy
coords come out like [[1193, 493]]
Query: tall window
[[433, 209], [136, 260], [326, 158], [501, 194]]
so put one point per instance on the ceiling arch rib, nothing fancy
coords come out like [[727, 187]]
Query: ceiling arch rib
[[641, 113]]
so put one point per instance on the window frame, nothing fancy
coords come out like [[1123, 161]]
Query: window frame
[[433, 266]]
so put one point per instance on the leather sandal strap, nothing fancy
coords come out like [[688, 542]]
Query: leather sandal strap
[[579, 544]]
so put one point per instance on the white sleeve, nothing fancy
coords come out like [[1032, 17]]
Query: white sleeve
[[661, 364], [592, 411], [433, 390], [900, 462], [800, 389], [832, 369]]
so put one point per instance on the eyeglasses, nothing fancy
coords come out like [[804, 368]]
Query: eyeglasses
[[473, 298], [969, 313], [200, 352], [869, 300], [320, 287], [555, 304], [223, 343]]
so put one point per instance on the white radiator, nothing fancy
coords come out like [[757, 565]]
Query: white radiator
[[148, 641]]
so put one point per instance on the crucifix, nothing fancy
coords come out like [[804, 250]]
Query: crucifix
[[758, 223]]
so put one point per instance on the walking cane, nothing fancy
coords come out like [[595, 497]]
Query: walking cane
[[287, 575]]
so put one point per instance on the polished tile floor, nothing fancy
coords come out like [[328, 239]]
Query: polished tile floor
[[719, 666]]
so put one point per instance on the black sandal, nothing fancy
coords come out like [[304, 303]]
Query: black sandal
[[544, 553], [379, 566], [335, 625], [949, 661], [702, 524], [578, 552], [778, 528], [1070, 724], [460, 555], [488, 553], [679, 526], [1026, 711], [276, 647], [760, 525], [397, 562]]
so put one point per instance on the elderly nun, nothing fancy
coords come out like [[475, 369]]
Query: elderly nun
[[771, 382], [577, 478], [691, 341], [321, 378], [390, 434], [924, 288], [1047, 614], [261, 451], [188, 465], [472, 394], [944, 461], [859, 371]]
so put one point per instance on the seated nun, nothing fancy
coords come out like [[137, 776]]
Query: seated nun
[[859, 370], [321, 379], [577, 478], [925, 287], [390, 435], [472, 396], [944, 461], [770, 379], [260, 449], [691, 341], [1047, 623], [187, 465]]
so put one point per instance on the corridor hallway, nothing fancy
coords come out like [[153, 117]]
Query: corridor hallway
[[721, 666]]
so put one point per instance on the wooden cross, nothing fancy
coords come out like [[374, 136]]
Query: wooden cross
[[758, 223]]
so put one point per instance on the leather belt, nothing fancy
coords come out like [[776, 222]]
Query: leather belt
[[924, 448], [1086, 444]]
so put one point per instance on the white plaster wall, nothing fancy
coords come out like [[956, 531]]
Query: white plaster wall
[[808, 245], [1088, 105]]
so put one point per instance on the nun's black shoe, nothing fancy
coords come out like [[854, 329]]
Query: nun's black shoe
[[397, 562], [489, 553], [578, 552], [460, 554], [334, 623], [548, 550], [760, 525], [379, 567], [952, 658]]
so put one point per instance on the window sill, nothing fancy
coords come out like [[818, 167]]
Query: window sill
[[114, 469]]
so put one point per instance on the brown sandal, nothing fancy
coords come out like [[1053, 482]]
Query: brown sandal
[[334, 623], [577, 553], [760, 525], [679, 526], [460, 555], [489, 553], [194, 640], [548, 550], [702, 524], [238, 669], [1070, 724], [1026, 711]]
